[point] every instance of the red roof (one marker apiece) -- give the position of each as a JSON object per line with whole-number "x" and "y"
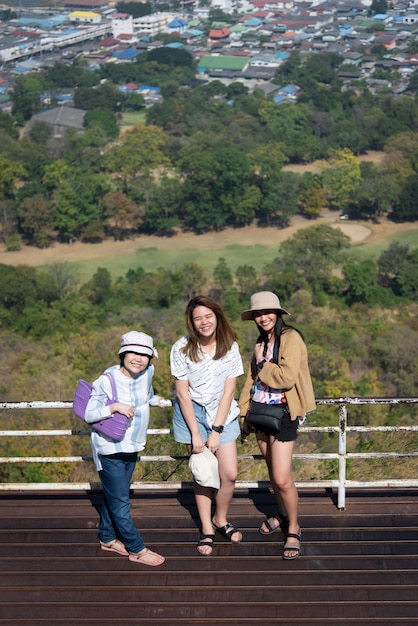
{"x": 109, "y": 41}
{"x": 131, "y": 86}
{"x": 219, "y": 33}
{"x": 25, "y": 33}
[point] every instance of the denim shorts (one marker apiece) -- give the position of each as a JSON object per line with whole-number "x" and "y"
{"x": 182, "y": 432}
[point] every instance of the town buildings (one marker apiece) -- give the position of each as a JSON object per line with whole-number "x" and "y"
{"x": 254, "y": 39}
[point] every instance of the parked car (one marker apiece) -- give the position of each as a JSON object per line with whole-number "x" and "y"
{"x": 344, "y": 216}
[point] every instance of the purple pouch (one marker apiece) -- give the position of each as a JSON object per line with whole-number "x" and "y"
{"x": 114, "y": 426}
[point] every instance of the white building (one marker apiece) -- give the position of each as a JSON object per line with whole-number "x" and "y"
{"x": 153, "y": 24}
{"x": 122, "y": 24}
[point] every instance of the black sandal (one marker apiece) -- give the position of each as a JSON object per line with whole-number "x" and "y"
{"x": 290, "y": 547}
{"x": 283, "y": 524}
{"x": 205, "y": 540}
{"x": 227, "y": 531}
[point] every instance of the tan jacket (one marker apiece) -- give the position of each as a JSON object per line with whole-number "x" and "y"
{"x": 290, "y": 374}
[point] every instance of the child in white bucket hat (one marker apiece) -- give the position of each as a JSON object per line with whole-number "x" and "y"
{"x": 115, "y": 461}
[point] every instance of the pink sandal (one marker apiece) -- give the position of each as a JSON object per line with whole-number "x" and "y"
{"x": 114, "y": 546}
{"x": 147, "y": 557}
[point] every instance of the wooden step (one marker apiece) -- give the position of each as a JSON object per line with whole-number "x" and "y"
{"x": 358, "y": 566}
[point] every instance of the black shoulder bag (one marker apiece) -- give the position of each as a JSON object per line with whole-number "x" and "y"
{"x": 266, "y": 417}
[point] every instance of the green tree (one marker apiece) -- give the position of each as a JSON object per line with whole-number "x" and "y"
{"x": 122, "y": 214}
{"x": 105, "y": 119}
{"x": 162, "y": 201}
{"x": 26, "y": 96}
{"x": 194, "y": 279}
{"x": 406, "y": 209}
{"x": 10, "y": 174}
{"x": 36, "y": 221}
{"x": 106, "y": 97}
{"x": 361, "y": 282}
{"x": 246, "y": 279}
{"x": 311, "y": 255}
{"x": 216, "y": 181}
{"x": 341, "y": 176}
{"x": 8, "y": 125}
{"x": 378, "y": 6}
{"x": 41, "y": 132}
{"x": 222, "y": 274}
{"x": 99, "y": 289}
{"x": 139, "y": 152}
{"x": 406, "y": 276}
{"x": 390, "y": 261}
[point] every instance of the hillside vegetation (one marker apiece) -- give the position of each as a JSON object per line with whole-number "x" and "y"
{"x": 208, "y": 159}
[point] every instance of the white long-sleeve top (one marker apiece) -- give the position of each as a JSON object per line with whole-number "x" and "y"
{"x": 138, "y": 393}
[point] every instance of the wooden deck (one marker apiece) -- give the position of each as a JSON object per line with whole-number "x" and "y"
{"x": 358, "y": 566}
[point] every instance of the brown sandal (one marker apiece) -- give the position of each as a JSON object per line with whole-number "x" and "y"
{"x": 147, "y": 557}
{"x": 114, "y": 546}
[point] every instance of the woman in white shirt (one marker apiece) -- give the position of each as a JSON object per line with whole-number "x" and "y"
{"x": 205, "y": 364}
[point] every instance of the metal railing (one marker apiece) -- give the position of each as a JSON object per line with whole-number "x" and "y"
{"x": 342, "y": 456}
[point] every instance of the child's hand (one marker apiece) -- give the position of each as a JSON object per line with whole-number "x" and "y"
{"x": 163, "y": 402}
{"x": 125, "y": 409}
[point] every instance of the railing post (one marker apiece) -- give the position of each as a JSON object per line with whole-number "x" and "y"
{"x": 342, "y": 455}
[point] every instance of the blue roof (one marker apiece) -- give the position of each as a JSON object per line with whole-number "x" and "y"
{"x": 129, "y": 53}
{"x": 48, "y": 22}
{"x": 149, "y": 88}
{"x": 177, "y": 23}
{"x": 289, "y": 89}
{"x": 253, "y": 21}
{"x": 278, "y": 99}
{"x": 174, "y": 44}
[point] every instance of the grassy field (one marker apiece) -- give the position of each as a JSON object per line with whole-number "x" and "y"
{"x": 130, "y": 119}
{"x": 373, "y": 249}
{"x": 245, "y": 246}
{"x": 152, "y": 258}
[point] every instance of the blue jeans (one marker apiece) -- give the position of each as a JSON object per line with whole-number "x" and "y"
{"x": 115, "y": 517}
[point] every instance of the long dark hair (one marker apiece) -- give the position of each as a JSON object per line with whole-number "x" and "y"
{"x": 264, "y": 338}
{"x": 280, "y": 328}
{"x": 225, "y": 334}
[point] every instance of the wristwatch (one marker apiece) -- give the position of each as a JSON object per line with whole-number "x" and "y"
{"x": 218, "y": 429}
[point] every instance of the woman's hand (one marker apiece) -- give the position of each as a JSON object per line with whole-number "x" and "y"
{"x": 214, "y": 441}
{"x": 259, "y": 351}
{"x": 198, "y": 444}
{"x": 244, "y": 430}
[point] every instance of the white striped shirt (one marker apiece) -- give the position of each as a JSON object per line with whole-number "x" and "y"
{"x": 138, "y": 393}
{"x": 207, "y": 377}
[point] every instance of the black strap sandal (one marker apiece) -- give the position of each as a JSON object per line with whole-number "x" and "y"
{"x": 206, "y": 540}
{"x": 283, "y": 524}
{"x": 227, "y": 531}
{"x": 290, "y": 547}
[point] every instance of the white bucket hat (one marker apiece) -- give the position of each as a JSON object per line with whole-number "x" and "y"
{"x": 140, "y": 343}
{"x": 204, "y": 467}
{"x": 263, "y": 301}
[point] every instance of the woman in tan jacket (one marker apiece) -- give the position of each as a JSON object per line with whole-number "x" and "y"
{"x": 278, "y": 374}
